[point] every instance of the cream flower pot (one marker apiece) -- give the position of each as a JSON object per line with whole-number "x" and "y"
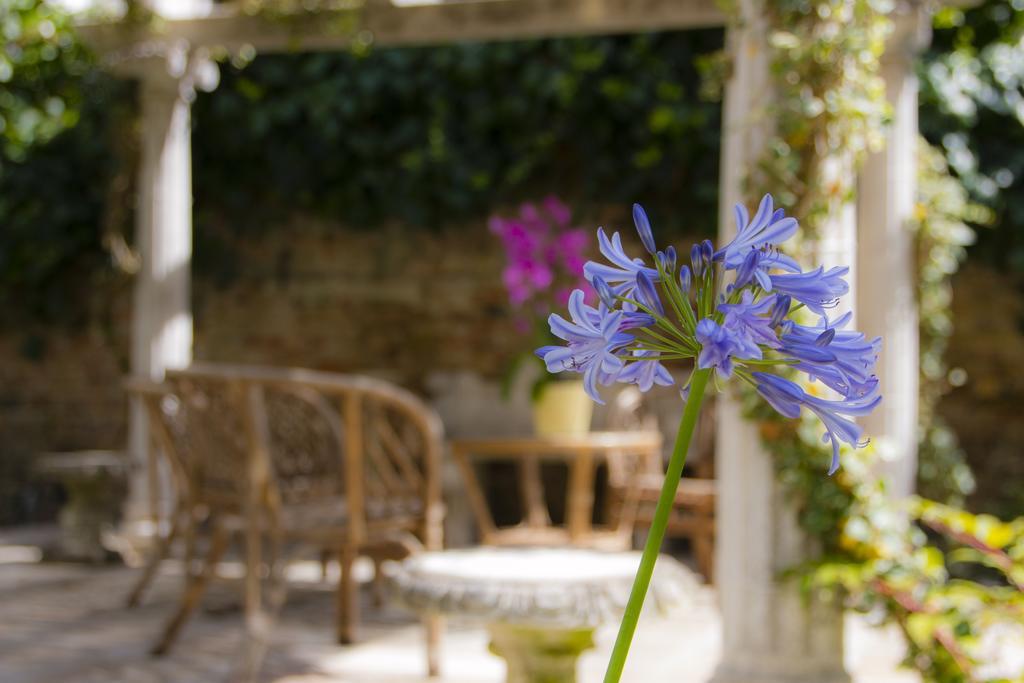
{"x": 562, "y": 409}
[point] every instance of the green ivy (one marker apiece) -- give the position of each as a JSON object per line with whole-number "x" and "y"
{"x": 439, "y": 136}
{"x": 944, "y": 214}
{"x": 829, "y": 99}
{"x": 56, "y": 210}
{"x": 41, "y": 67}
{"x": 944, "y": 582}
{"x": 972, "y": 81}
{"x": 424, "y": 137}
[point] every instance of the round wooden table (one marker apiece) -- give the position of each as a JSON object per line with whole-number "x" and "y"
{"x": 541, "y": 605}
{"x": 628, "y": 454}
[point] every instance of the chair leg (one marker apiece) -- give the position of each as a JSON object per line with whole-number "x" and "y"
{"x": 195, "y": 587}
{"x": 325, "y": 562}
{"x": 433, "y": 626}
{"x": 348, "y": 598}
{"x": 704, "y": 550}
{"x": 156, "y": 557}
{"x": 191, "y": 531}
{"x": 378, "y": 582}
{"x": 259, "y": 620}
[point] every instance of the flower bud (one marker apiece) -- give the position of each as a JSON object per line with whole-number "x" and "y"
{"x": 648, "y": 295}
{"x": 697, "y": 261}
{"x": 643, "y": 228}
{"x": 604, "y": 292}
{"x": 707, "y": 251}
{"x": 781, "y": 309}
{"x": 685, "y": 279}
{"x": 668, "y": 259}
{"x": 746, "y": 270}
{"x": 826, "y": 337}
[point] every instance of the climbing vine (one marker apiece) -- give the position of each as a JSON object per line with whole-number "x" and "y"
{"x": 829, "y": 100}
{"x": 336, "y": 17}
{"x": 943, "y": 215}
{"x": 41, "y": 67}
{"x": 829, "y": 103}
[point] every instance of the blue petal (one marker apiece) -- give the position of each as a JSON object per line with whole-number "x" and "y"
{"x": 776, "y": 233}
{"x": 763, "y": 279}
{"x": 577, "y": 309}
{"x": 590, "y": 383}
{"x": 742, "y": 217}
{"x": 764, "y": 212}
{"x": 565, "y": 330}
{"x": 603, "y": 291}
{"x": 542, "y": 351}
{"x": 558, "y": 359}
{"x": 610, "y": 325}
{"x": 643, "y": 228}
{"x": 834, "y": 465}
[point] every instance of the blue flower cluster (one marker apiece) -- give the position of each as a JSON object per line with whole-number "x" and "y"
{"x": 734, "y": 310}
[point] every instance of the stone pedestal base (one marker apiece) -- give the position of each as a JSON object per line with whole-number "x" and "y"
{"x": 95, "y": 485}
{"x": 540, "y": 655}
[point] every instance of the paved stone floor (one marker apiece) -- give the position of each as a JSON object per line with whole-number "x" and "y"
{"x": 65, "y": 623}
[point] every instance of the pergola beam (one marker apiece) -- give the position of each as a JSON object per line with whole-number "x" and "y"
{"x": 408, "y": 23}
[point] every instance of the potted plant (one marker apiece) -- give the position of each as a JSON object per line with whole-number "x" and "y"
{"x": 544, "y": 255}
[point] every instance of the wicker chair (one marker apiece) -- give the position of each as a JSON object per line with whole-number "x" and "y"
{"x": 290, "y": 458}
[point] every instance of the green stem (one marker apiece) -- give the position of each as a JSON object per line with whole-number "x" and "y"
{"x": 652, "y": 547}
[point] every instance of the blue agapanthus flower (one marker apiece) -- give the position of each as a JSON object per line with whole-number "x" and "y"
{"x": 746, "y": 311}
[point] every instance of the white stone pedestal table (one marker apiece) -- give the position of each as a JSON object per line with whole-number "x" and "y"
{"x": 541, "y": 605}
{"x": 95, "y": 482}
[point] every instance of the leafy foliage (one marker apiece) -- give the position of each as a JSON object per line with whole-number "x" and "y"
{"x": 54, "y": 163}
{"x": 415, "y": 135}
{"x": 41, "y": 67}
{"x": 829, "y": 99}
{"x": 955, "y": 591}
{"x": 442, "y": 135}
{"x": 869, "y": 548}
{"x": 944, "y": 214}
{"x": 972, "y": 99}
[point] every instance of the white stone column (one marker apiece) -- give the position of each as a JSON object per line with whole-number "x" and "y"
{"x": 162, "y": 309}
{"x": 887, "y": 286}
{"x": 837, "y": 243}
{"x": 770, "y": 634}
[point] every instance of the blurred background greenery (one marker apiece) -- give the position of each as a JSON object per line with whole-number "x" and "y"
{"x": 435, "y": 140}
{"x": 441, "y": 136}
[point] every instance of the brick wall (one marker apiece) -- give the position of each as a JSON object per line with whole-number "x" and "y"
{"x": 69, "y": 399}
{"x": 397, "y": 302}
{"x": 426, "y": 310}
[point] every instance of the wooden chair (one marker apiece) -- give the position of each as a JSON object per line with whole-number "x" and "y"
{"x": 197, "y": 498}
{"x": 292, "y": 457}
{"x": 693, "y": 512}
{"x": 581, "y": 454}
